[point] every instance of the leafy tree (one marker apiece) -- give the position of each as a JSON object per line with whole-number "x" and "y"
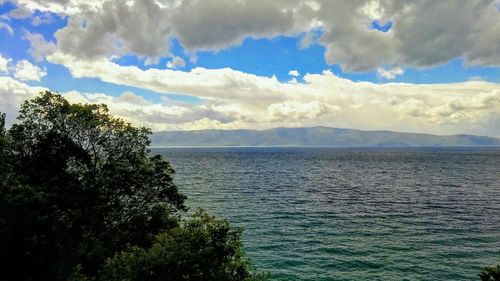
{"x": 203, "y": 248}
{"x": 79, "y": 189}
{"x": 490, "y": 273}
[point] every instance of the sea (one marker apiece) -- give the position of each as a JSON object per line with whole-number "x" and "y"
{"x": 352, "y": 213}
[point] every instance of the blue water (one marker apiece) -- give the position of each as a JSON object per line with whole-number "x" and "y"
{"x": 353, "y": 214}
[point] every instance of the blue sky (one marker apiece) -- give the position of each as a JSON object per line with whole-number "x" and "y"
{"x": 266, "y": 57}
{"x": 368, "y": 47}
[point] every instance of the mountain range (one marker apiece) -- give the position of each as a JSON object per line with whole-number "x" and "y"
{"x": 314, "y": 136}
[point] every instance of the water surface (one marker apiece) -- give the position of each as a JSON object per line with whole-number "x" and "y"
{"x": 353, "y": 213}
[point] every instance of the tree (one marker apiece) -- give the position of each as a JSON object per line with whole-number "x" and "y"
{"x": 203, "y": 248}
{"x": 78, "y": 188}
{"x": 490, "y": 273}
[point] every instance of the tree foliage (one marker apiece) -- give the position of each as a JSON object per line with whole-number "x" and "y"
{"x": 203, "y": 248}
{"x": 82, "y": 198}
{"x": 490, "y": 273}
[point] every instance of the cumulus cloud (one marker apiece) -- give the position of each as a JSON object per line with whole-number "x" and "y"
{"x": 20, "y": 12}
{"x": 39, "y": 47}
{"x": 293, "y": 73}
{"x": 12, "y": 94}
{"x": 243, "y": 100}
{"x": 176, "y": 62}
{"x": 129, "y": 106}
{"x": 129, "y": 97}
{"x": 390, "y": 73}
{"x": 202, "y": 82}
{"x": 293, "y": 111}
{"x": 158, "y": 116}
{"x": 212, "y": 24}
{"x": 423, "y": 33}
{"x": 116, "y": 28}
{"x": 26, "y": 71}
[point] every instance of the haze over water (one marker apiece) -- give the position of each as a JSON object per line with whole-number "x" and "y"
{"x": 351, "y": 213}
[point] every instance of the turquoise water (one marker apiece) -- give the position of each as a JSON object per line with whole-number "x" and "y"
{"x": 353, "y": 214}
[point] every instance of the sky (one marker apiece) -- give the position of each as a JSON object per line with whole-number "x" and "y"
{"x": 414, "y": 66}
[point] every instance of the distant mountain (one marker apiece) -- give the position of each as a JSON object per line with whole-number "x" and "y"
{"x": 315, "y": 136}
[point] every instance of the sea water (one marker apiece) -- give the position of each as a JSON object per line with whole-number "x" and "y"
{"x": 352, "y": 213}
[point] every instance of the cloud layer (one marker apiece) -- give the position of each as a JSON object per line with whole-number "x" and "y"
{"x": 233, "y": 99}
{"x": 422, "y": 33}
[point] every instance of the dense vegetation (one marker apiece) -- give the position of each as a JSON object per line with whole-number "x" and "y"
{"x": 490, "y": 273}
{"x": 81, "y": 198}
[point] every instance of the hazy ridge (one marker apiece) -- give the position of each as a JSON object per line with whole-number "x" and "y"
{"x": 314, "y": 136}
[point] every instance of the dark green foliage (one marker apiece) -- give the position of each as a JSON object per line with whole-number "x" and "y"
{"x": 490, "y": 273}
{"x": 203, "y": 248}
{"x": 78, "y": 187}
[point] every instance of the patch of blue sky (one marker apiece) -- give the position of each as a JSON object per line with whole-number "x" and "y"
{"x": 268, "y": 57}
{"x": 49, "y": 28}
{"x": 6, "y": 7}
{"x": 134, "y": 60}
{"x": 16, "y": 46}
{"x": 13, "y": 46}
{"x": 383, "y": 28}
{"x": 452, "y": 72}
{"x": 262, "y": 57}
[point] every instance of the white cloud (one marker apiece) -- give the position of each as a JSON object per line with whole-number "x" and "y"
{"x": 64, "y": 7}
{"x": 293, "y": 111}
{"x": 7, "y": 27}
{"x": 307, "y": 40}
{"x": 117, "y": 28}
{"x": 212, "y": 24}
{"x": 199, "y": 81}
{"x": 234, "y": 99}
{"x": 26, "y": 71}
{"x": 20, "y": 12}
{"x": 373, "y": 10}
{"x": 390, "y": 73}
{"x": 476, "y": 78}
{"x": 176, "y": 62}
{"x": 12, "y": 94}
{"x": 44, "y": 18}
{"x": 468, "y": 29}
{"x": 293, "y": 73}
{"x": 39, "y": 47}
{"x": 129, "y": 97}
{"x": 129, "y": 106}
{"x": 4, "y": 64}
